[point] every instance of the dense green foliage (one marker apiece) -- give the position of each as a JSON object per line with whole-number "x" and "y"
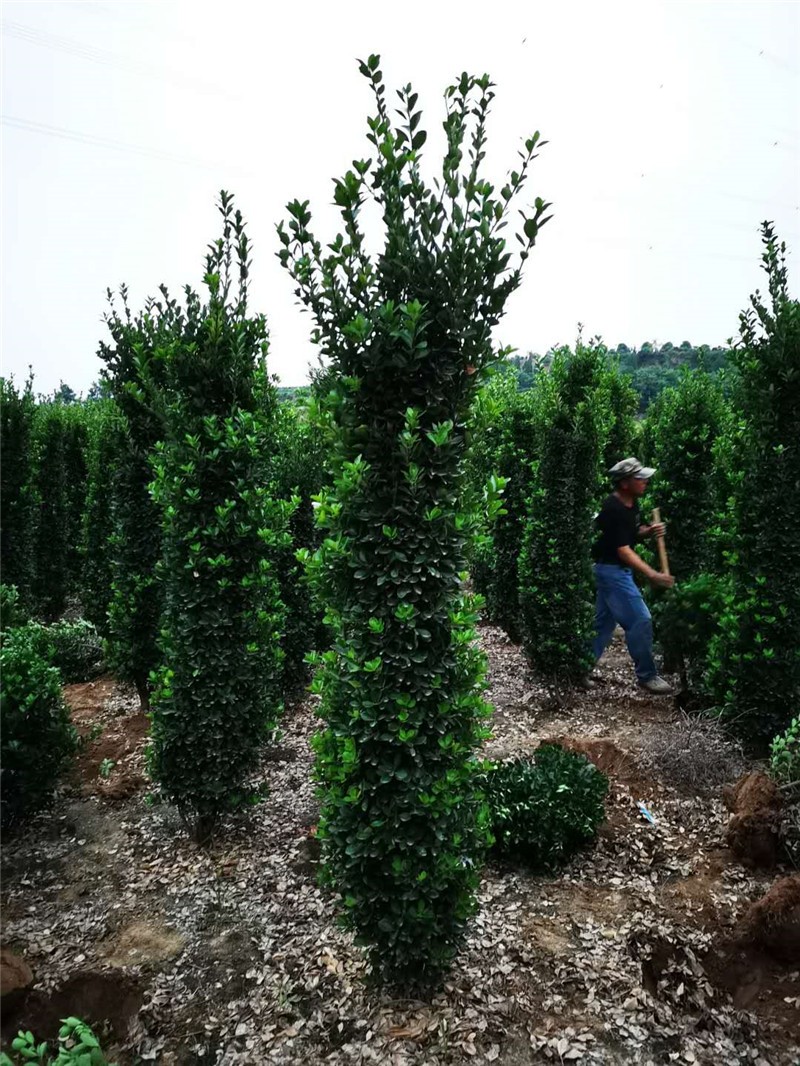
{"x": 545, "y": 808}
{"x": 554, "y": 567}
{"x": 785, "y": 755}
{"x": 298, "y": 474}
{"x": 78, "y": 1046}
{"x": 74, "y": 648}
{"x": 504, "y": 438}
{"x": 518, "y": 436}
{"x": 755, "y": 661}
{"x": 76, "y": 474}
{"x": 12, "y": 610}
{"x": 683, "y": 436}
{"x": 217, "y": 693}
{"x": 407, "y": 335}
{"x": 133, "y": 375}
{"x": 43, "y": 489}
{"x": 17, "y": 500}
{"x": 103, "y": 456}
{"x": 53, "y": 520}
{"x": 688, "y": 621}
{"x": 623, "y": 430}
{"x": 37, "y": 737}
{"x": 680, "y": 438}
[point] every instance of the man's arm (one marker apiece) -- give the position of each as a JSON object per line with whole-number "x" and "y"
{"x": 628, "y": 557}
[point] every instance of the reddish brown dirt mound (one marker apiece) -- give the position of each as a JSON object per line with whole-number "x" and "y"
{"x": 15, "y": 973}
{"x": 752, "y": 793}
{"x": 603, "y": 752}
{"x": 120, "y": 743}
{"x": 772, "y": 924}
{"x": 94, "y": 998}
{"x": 118, "y": 748}
{"x": 753, "y": 830}
{"x": 86, "y": 699}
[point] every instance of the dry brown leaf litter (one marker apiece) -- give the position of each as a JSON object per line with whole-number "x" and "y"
{"x": 239, "y": 958}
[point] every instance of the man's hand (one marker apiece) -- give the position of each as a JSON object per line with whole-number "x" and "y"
{"x": 662, "y": 581}
{"x": 657, "y": 529}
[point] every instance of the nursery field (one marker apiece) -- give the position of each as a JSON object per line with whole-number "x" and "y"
{"x": 635, "y": 952}
{"x": 305, "y": 753}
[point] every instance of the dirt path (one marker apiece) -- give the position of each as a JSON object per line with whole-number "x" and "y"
{"x": 233, "y": 955}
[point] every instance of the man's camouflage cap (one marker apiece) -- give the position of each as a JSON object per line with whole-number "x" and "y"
{"x": 630, "y": 468}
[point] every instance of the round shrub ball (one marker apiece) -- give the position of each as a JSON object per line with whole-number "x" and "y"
{"x": 546, "y": 808}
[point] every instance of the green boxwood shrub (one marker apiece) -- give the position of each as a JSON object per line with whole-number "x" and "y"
{"x": 76, "y": 441}
{"x": 554, "y": 568}
{"x": 104, "y": 452}
{"x": 504, "y": 440}
{"x": 74, "y": 648}
{"x": 688, "y": 622}
{"x": 545, "y": 808}
{"x": 681, "y": 431}
{"x": 12, "y": 611}
{"x": 623, "y": 430}
{"x": 407, "y": 337}
{"x": 37, "y": 736}
{"x": 785, "y": 756}
{"x": 755, "y": 660}
{"x": 298, "y": 474}
{"x": 52, "y": 543}
{"x": 133, "y": 374}
{"x": 17, "y": 488}
{"x": 217, "y": 693}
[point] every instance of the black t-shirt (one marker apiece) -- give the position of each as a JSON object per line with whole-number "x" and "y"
{"x": 617, "y": 526}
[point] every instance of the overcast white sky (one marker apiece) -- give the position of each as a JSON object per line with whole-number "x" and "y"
{"x": 673, "y": 129}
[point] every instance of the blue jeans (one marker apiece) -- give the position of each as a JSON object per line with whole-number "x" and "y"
{"x": 619, "y": 602}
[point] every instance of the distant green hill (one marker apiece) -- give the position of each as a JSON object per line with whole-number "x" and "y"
{"x": 652, "y": 368}
{"x": 292, "y": 392}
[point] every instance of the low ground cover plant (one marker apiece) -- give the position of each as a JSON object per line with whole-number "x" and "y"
{"x": 77, "y": 1046}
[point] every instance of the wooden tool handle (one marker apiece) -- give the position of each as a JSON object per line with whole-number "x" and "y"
{"x": 662, "y": 547}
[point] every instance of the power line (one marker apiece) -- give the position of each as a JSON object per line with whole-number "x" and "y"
{"x": 78, "y": 49}
{"x": 60, "y": 132}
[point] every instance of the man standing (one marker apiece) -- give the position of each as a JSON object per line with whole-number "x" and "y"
{"x": 619, "y": 601}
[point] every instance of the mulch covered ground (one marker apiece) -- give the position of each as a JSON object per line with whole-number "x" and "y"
{"x": 233, "y": 954}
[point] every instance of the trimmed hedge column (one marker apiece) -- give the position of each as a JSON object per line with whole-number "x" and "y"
{"x": 217, "y": 696}
{"x": 407, "y": 333}
{"x": 755, "y": 662}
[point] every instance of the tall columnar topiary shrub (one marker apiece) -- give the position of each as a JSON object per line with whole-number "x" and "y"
{"x": 217, "y": 695}
{"x": 17, "y": 489}
{"x": 681, "y": 431}
{"x": 52, "y": 545}
{"x": 104, "y": 452}
{"x": 756, "y": 659}
{"x": 505, "y": 438}
{"x": 134, "y": 373}
{"x": 407, "y": 333}
{"x": 554, "y": 569}
{"x": 298, "y": 474}
{"x": 76, "y": 442}
{"x": 622, "y": 400}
